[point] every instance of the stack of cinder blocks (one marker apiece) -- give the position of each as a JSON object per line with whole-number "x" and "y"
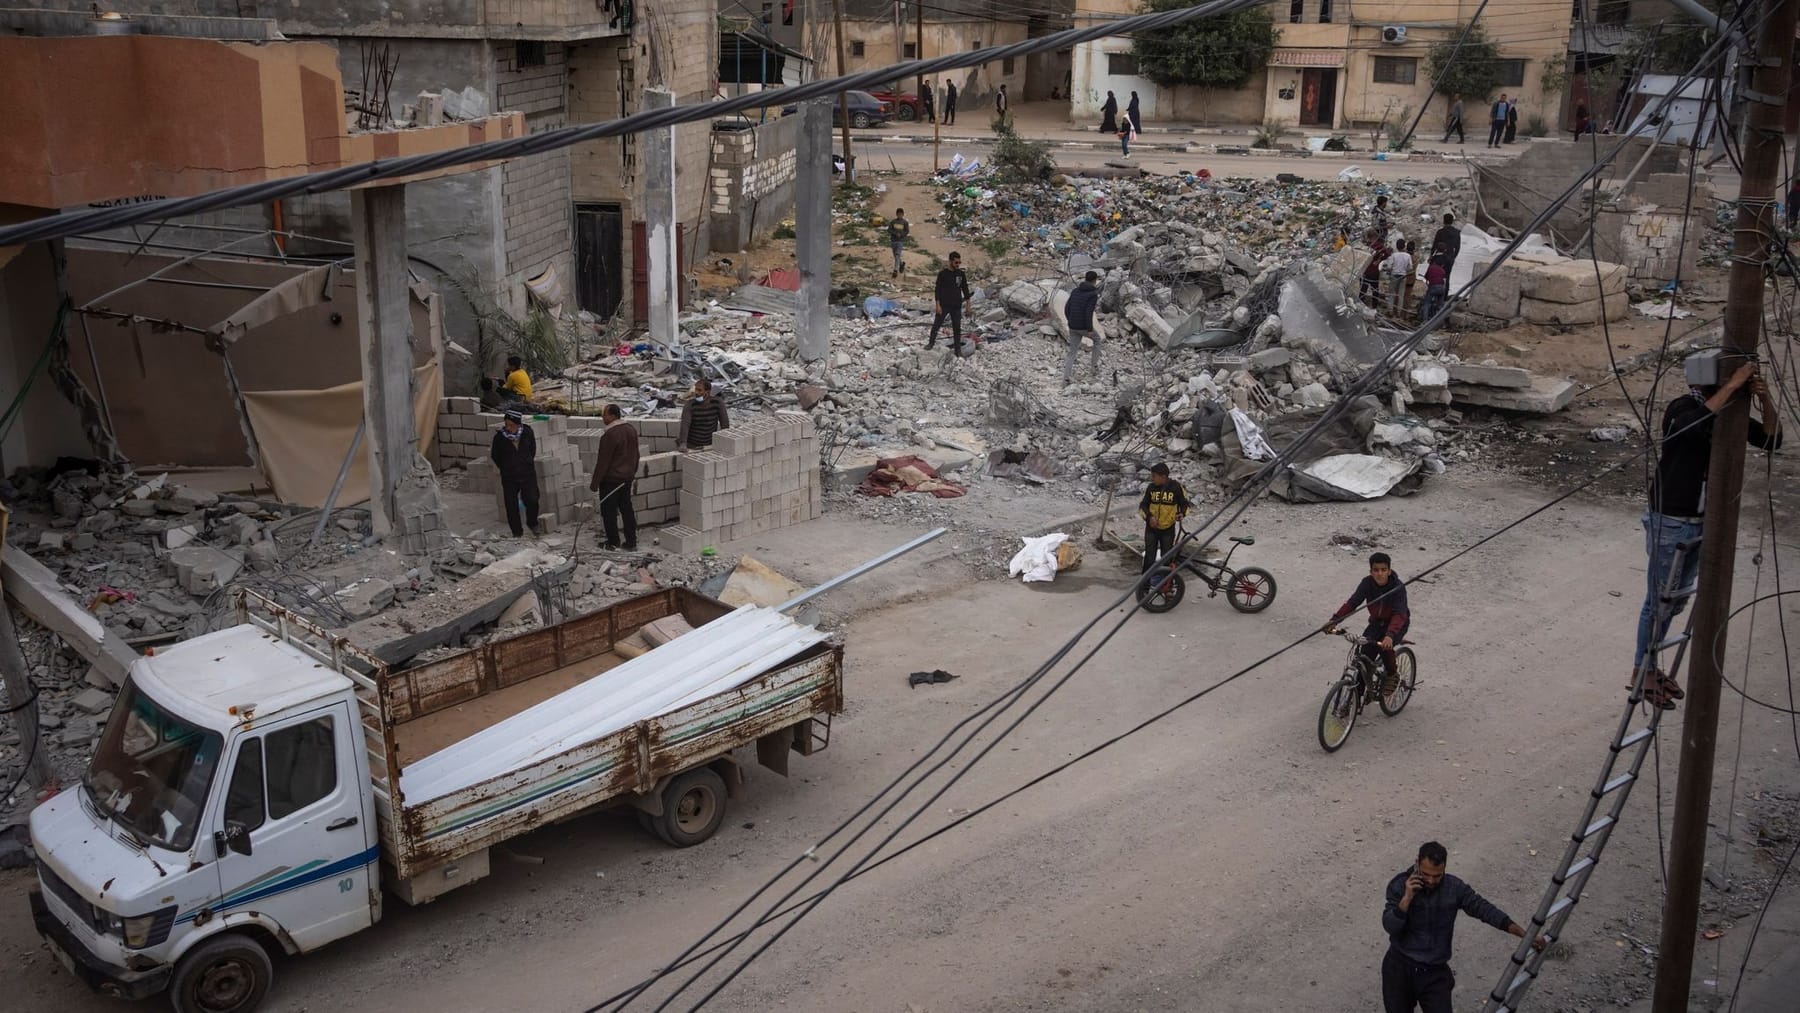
{"x": 464, "y": 431}
{"x": 759, "y": 475}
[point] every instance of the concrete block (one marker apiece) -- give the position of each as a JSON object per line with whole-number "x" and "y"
{"x": 1615, "y": 306}
{"x": 1499, "y": 295}
{"x": 732, "y": 442}
{"x": 92, "y": 701}
{"x": 1572, "y": 281}
{"x": 201, "y": 569}
{"x": 1270, "y": 358}
{"x": 1490, "y": 376}
{"x": 1545, "y": 395}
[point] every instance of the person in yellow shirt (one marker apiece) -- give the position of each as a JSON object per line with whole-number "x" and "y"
{"x": 1164, "y": 504}
{"x": 518, "y": 382}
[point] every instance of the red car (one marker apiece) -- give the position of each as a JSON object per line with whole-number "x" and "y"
{"x": 906, "y": 108}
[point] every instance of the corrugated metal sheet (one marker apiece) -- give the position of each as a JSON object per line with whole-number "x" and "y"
{"x": 717, "y": 657}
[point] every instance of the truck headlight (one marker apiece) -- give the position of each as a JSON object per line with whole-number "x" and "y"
{"x": 139, "y": 931}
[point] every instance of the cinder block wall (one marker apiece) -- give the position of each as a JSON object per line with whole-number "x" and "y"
{"x": 752, "y": 184}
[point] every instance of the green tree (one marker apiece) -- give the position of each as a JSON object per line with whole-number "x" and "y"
{"x": 1469, "y": 71}
{"x": 1222, "y": 51}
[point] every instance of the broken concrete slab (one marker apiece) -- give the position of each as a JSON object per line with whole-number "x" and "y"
{"x": 365, "y": 597}
{"x": 1573, "y": 281}
{"x": 202, "y": 569}
{"x": 1615, "y": 305}
{"x": 1269, "y": 358}
{"x": 1490, "y": 376}
{"x": 1499, "y": 295}
{"x": 37, "y": 591}
{"x": 176, "y": 537}
{"x": 1545, "y": 395}
{"x": 138, "y": 508}
{"x": 446, "y": 617}
{"x": 92, "y": 701}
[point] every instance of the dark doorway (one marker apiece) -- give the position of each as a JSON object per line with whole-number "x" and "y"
{"x": 1318, "y": 96}
{"x": 599, "y": 249}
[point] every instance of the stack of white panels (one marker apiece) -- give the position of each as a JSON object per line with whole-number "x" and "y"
{"x": 723, "y": 654}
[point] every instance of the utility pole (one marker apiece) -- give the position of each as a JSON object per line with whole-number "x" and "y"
{"x": 837, "y": 11}
{"x": 1763, "y": 135}
{"x": 899, "y": 45}
{"x": 919, "y": 51}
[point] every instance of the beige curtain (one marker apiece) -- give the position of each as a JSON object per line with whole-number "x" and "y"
{"x": 303, "y": 435}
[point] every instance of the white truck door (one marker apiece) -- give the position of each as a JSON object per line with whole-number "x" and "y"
{"x": 294, "y": 799}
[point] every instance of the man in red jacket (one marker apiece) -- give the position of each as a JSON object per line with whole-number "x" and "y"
{"x": 614, "y": 471}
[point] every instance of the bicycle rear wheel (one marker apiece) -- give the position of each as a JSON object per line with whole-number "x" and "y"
{"x": 1162, "y": 591}
{"x": 1406, "y": 671}
{"x": 1337, "y": 715}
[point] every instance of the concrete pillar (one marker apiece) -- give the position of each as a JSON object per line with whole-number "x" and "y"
{"x": 378, "y": 227}
{"x": 812, "y": 229}
{"x": 661, "y": 228}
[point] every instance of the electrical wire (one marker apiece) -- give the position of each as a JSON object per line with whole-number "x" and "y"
{"x": 1246, "y": 493}
{"x": 101, "y": 219}
{"x": 688, "y": 958}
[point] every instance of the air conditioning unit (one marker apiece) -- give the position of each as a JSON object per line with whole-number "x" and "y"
{"x": 1393, "y": 34}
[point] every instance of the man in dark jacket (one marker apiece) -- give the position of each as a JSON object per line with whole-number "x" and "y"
{"x": 1678, "y": 505}
{"x": 1497, "y": 121}
{"x": 950, "y": 103}
{"x": 701, "y": 417}
{"x": 926, "y": 100}
{"x": 615, "y": 468}
{"x": 951, "y": 292}
{"x": 1385, "y": 594}
{"x": 1078, "y": 312}
{"x": 1420, "y": 920}
{"x": 1449, "y": 239}
{"x": 515, "y": 453}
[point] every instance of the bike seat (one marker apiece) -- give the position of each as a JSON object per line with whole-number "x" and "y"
{"x": 1244, "y": 539}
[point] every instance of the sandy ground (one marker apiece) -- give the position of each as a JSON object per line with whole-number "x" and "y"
{"x": 1218, "y": 860}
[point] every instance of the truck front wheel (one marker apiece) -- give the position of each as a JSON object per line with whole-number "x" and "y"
{"x": 226, "y": 974}
{"x": 693, "y": 808}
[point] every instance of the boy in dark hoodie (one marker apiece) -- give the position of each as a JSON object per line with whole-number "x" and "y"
{"x": 1385, "y": 594}
{"x": 1164, "y": 504}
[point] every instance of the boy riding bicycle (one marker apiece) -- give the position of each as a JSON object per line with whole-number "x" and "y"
{"x": 1385, "y": 594}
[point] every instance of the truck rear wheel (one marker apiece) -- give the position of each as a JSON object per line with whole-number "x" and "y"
{"x": 229, "y": 973}
{"x": 693, "y": 808}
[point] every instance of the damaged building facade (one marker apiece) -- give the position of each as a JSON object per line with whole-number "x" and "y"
{"x": 1338, "y": 66}
{"x": 875, "y": 37}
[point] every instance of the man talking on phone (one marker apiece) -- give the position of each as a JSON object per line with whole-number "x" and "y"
{"x": 1420, "y": 917}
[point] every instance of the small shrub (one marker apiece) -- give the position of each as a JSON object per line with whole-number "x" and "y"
{"x": 1268, "y": 135}
{"x": 1017, "y": 160}
{"x": 1536, "y": 127}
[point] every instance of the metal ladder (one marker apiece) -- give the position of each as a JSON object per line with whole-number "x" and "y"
{"x": 1612, "y": 786}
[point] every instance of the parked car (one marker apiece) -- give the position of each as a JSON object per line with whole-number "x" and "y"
{"x": 865, "y": 111}
{"x": 907, "y": 108}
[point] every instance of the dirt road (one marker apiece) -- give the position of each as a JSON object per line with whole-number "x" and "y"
{"x": 1219, "y": 860}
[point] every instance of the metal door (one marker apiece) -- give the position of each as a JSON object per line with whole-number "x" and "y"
{"x": 599, "y": 251}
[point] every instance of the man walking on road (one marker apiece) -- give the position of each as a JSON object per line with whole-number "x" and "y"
{"x": 1497, "y": 121}
{"x": 925, "y": 100}
{"x": 1420, "y": 917}
{"x": 1000, "y": 108}
{"x": 614, "y": 471}
{"x": 898, "y": 229}
{"x": 950, "y": 103}
{"x": 1078, "y": 312}
{"x": 1455, "y": 126}
{"x": 951, "y": 292}
{"x": 515, "y": 452}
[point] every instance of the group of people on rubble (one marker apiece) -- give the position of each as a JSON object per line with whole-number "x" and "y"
{"x": 1391, "y": 273}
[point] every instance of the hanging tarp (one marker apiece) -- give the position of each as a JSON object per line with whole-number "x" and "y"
{"x": 303, "y": 435}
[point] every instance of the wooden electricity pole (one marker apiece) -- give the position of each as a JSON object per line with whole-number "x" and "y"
{"x": 1763, "y": 135}
{"x": 837, "y": 11}
{"x": 919, "y": 51}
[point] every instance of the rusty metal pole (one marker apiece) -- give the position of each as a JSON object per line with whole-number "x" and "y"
{"x": 1763, "y": 135}
{"x": 837, "y": 10}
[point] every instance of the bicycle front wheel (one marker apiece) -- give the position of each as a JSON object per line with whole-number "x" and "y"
{"x": 1337, "y": 715}
{"x": 1251, "y": 589}
{"x": 1162, "y": 591}
{"x": 1406, "y": 669}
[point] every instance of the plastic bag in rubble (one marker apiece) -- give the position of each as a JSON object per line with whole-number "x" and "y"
{"x": 1348, "y": 173}
{"x": 1250, "y": 437}
{"x": 956, "y": 163}
{"x": 1037, "y": 560}
{"x": 875, "y": 307}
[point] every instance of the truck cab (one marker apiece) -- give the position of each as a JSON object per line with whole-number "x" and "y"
{"x": 226, "y": 814}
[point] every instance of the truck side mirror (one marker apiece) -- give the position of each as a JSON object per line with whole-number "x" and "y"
{"x": 235, "y": 837}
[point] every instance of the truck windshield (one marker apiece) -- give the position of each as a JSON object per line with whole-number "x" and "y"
{"x": 152, "y": 770}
